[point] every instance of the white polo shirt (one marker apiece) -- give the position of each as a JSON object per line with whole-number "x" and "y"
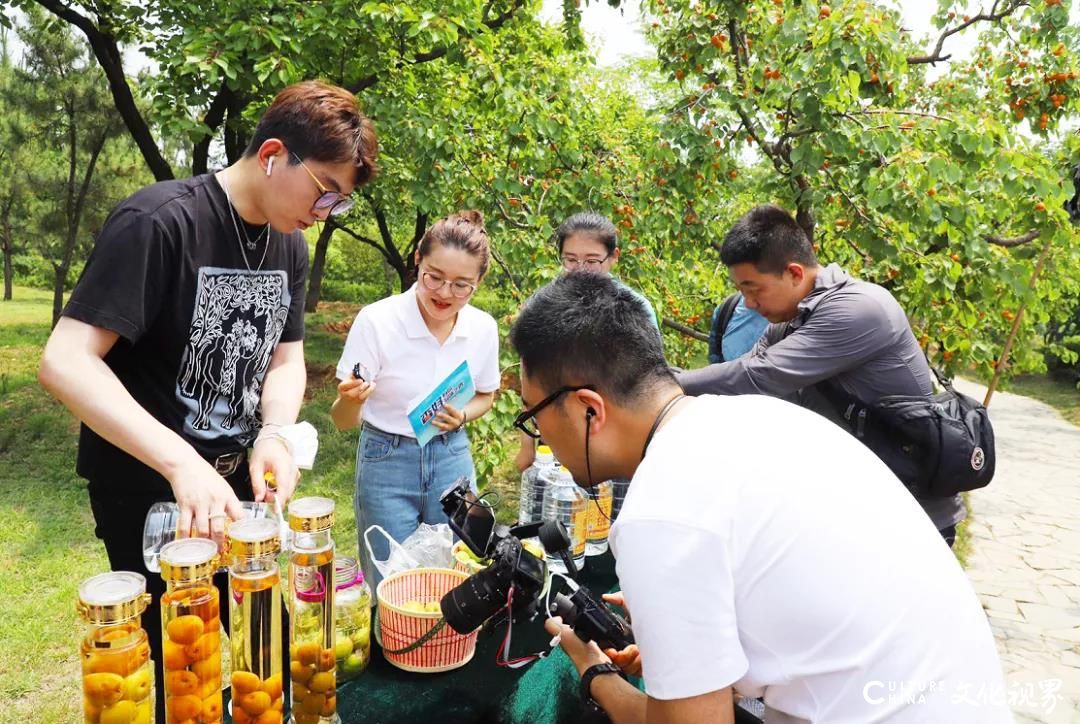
{"x": 762, "y": 547}
{"x": 391, "y": 339}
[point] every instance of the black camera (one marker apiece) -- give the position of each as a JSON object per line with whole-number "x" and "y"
{"x": 512, "y": 584}
{"x": 592, "y": 620}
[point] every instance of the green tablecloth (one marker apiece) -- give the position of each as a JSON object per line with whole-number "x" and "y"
{"x": 544, "y": 692}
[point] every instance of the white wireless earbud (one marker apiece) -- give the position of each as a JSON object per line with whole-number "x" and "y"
{"x": 269, "y": 165}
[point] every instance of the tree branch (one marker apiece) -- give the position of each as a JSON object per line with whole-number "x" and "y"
{"x": 435, "y": 53}
{"x": 936, "y": 56}
{"x": 361, "y": 238}
{"x": 111, "y": 62}
{"x": 1014, "y": 241}
{"x": 688, "y": 331}
{"x": 215, "y": 114}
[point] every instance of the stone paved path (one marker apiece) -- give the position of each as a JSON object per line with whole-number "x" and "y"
{"x": 1025, "y": 559}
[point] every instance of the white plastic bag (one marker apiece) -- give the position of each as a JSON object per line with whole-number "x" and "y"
{"x": 428, "y": 547}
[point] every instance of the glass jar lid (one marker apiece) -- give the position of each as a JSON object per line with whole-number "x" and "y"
{"x": 114, "y": 597}
{"x": 312, "y": 514}
{"x": 189, "y": 559}
{"x": 254, "y": 537}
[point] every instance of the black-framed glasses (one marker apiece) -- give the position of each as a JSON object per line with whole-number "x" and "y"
{"x": 335, "y": 201}
{"x": 526, "y": 421}
{"x": 434, "y": 282}
{"x": 571, "y": 263}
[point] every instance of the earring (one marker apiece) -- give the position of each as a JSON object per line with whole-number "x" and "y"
{"x": 269, "y": 165}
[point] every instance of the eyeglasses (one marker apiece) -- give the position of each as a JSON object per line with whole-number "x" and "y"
{"x": 571, "y": 263}
{"x": 526, "y": 421}
{"x": 434, "y": 282}
{"x": 335, "y": 201}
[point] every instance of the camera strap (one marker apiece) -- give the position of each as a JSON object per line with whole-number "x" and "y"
{"x": 432, "y": 633}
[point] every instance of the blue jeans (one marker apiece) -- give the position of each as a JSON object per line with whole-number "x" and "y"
{"x": 398, "y": 485}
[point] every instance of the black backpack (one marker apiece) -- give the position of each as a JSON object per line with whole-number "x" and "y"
{"x": 938, "y": 445}
{"x": 723, "y": 318}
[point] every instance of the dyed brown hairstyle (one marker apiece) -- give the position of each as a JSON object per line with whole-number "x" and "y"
{"x": 321, "y": 122}
{"x": 463, "y": 230}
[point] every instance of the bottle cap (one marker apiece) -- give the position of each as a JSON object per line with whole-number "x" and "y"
{"x": 111, "y": 598}
{"x": 310, "y": 515}
{"x": 189, "y": 559}
{"x": 253, "y": 538}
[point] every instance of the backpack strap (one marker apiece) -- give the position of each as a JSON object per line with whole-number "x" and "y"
{"x": 723, "y": 319}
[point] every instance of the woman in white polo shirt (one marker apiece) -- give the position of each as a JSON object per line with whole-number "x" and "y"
{"x": 405, "y": 345}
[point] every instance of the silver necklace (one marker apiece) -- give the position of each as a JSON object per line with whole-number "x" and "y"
{"x": 241, "y": 237}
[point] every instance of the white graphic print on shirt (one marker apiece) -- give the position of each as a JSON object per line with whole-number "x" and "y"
{"x": 237, "y": 320}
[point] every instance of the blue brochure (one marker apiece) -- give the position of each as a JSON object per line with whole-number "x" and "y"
{"x": 457, "y": 389}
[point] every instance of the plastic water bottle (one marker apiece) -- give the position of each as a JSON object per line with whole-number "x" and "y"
{"x": 618, "y": 495}
{"x": 531, "y": 499}
{"x": 565, "y": 502}
{"x": 598, "y": 519}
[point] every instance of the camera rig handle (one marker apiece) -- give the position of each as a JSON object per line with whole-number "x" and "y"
{"x": 553, "y": 537}
{"x": 592, "y": 620}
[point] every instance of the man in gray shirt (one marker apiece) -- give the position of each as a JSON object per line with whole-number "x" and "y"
{"x": 826, "y": 330}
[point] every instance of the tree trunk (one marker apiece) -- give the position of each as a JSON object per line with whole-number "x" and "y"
{"x": 8, "y": 243}
{"x": 9, "y": 273}
{"x": 318, "y": 266}
{"x": 59, "y": 282}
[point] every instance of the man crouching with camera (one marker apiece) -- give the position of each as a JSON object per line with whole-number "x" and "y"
{"x": 801, "y": 570}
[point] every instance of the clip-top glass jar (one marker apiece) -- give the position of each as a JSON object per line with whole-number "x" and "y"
{"x": 191, "y": 632}
{"x": 255, "y": 621}
{"x": 116, "y": 673}
{"x": 311, "y": 621}
{"x": 352, "y": 619}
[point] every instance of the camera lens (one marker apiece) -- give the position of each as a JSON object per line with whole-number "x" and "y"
{"x": 477, "y": 599}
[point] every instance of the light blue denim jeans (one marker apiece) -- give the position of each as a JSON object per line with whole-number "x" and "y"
{"x": 398, "y": 485}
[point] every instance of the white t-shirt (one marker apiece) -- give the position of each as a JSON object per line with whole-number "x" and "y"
{"x": 762, "y": 547}
{"x": 390, "y": 339}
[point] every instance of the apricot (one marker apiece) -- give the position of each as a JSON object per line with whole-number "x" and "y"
{"x": 304, "y": 718}
{"x": 299, "y": 691}
{"x": 269, "y": 717}
{"x": 312, "y": 703}
{"x": 308, "y": 654}
{"x": 183, "y": 707}
{"x": 245, "y": 682}
{"x": 137, "y": 686}
{"x": 205, "y": 646}
{"x": 105, "y": 663}
{"x": 209, "y": 669}
{"x": 185, "y": 630}
{"x": 91, "y": 711}
{"x": 254, "y": 703}
{"x": 239, "y": 716}
{"x": 122, "y": 712}
{"x": 327, "y": 660}
{"x": 321, "y": 682}
{"x": 301, "y": 672}
{"x": 173, "y": 656}
{"x": 181, "y": 683}
{"x": 104, "y": 688}
{"x": 211, "y": 707}
{"x": 329, "y": 707}
{"x": 142, "y": 716}
{"x": 272, "y": 686}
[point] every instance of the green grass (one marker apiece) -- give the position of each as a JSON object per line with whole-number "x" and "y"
{"x": 1059, "y": 393}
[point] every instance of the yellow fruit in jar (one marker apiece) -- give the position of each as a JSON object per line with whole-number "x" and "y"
{"x": 330, "y": 707}
{"x": 104, "y": 688}
{"x": 91, "y": 711}
{"x": 313, "y": 703}
{"x": 327, "y": 660}
{"x": 137, "y": 686}
{"x": 308, "y": 654}
{"x": 254, "y": 703}
{"x": 299, "y": 691}
{"x": 321, "y": 682}
{"x": 122, "y": 712}
{"x": 183, "y": 707}
{"x": 272, "y": 686}
{"x": 209, "y": 669}
{"x": 173, "y": 656}
{"x": 245, "y": 682}
{"x": 304, "y": 718}
{"x": 301, "y": 672}
{"x": 205, "y": 646}
{"x": 211, "y": 707}
{"x": 142, "y": 716}
{"x": 269, "y": 717}
{"x": 239, "y": 716}
{"x": 105, "y": 663}
{"x": 185, "y": 630}
{"x": 181, "y": 683}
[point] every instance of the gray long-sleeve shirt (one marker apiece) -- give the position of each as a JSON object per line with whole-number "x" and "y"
{"x": 848, "y": 331}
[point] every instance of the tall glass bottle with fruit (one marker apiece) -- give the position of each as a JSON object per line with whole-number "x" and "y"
{"x": 116, "y": 674}
{"x": 191, "y": 626}
{"x": 352, "y": 618}
{"x": 255, "y": 621}
{"x": 311, "y": 623}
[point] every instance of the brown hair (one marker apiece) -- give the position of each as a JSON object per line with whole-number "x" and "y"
{"x": 322, "y": 122}
{"x": 462, "y": 230}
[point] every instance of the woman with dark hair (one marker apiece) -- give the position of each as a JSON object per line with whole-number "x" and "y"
{"x": 403, "y": 346}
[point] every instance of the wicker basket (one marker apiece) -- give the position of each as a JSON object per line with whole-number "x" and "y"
{"x": 401, "y": 629}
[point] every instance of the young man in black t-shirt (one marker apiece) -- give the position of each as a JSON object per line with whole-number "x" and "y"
{"x": 181, "y": 347}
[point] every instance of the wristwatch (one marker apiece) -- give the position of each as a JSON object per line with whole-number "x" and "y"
{"x": 586, "y": 684}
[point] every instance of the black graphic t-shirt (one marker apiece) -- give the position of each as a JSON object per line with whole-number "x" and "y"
{"x": 197, "y": 321}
